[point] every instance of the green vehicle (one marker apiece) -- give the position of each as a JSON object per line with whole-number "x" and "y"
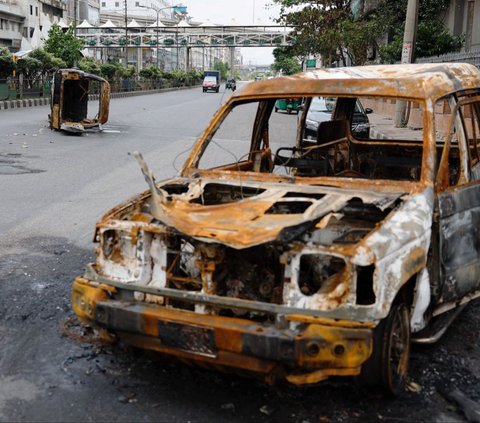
{"x": 288, "y": 104}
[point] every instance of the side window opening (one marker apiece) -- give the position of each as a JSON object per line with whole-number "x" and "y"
{"x": 471, "y": 115}
{"x": 458, "y": 140}
{"x": 357, "y": 137}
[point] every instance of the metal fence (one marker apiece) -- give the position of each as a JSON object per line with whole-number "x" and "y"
{"x": 17, "y": 88}
{"x": 472, "y": 57}
{"x": 14, "y": 88}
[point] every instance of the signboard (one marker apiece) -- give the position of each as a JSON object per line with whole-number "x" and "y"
{"x": 180, "y": 9}
{"x": 311, "y": 63}
{"x": 407, "y": 53}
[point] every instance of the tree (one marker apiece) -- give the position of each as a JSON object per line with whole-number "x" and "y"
{"x": 317, "y": 26}
{"x": 329, "y": 28}
{"x": 89, "y": 65}
{"x": 64, "y": 45}
{"x": 7, "y": 64}
{"x": 151, "y": 72}
{"x": 30, "y": 67}
{"x": 49, "y": 63}
{"x": 285, "y": 61}
{"x": 223, "y": 68}
{"x": 433, "y": 38}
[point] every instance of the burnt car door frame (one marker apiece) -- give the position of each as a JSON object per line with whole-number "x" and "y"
{"x": 458, "y": 211}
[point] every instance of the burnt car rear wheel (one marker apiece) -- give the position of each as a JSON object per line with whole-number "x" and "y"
{"x": 387, "y": 367}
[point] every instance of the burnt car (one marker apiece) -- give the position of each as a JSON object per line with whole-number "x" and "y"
{"x": 70, "y": 112}
{"x": 321, "y": 110}
{"x": 294, "y": 258}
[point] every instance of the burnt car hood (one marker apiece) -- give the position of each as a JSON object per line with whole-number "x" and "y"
{"x": 245, "y": 215}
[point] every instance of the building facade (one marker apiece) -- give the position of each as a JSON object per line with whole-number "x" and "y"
{"x": 24, "y": 24}
{"x": 463, "y": 18}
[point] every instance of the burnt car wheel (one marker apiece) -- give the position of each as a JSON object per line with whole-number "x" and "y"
{"x": 388, "y": 365}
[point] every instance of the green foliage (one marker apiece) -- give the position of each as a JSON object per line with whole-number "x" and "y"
{"x": 7, "y": 65}
{"x": 392, "y": 52}
{"x": 108, "y": 70}
{"x": 317, "y": 26}
{"x": 179, "y": 75}
{"x": 194, "y": 75}
{"x": 285, "y": 61}
{"x": 151, "y": 72}
{"x": 433, "y": 39}
{"x": 327, "y": 27}
{"x": 357, "y": 37}
{"x": 64, "y": 45}
{"x": 29, "y": 66}
{"x": 90, "y": 65}
{"x": 49, "y": 63}
{"x": 125, "y": 72}
{"x": 223, "y": 68}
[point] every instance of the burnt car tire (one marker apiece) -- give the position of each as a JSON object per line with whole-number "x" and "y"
{"x": 387, "y": 367}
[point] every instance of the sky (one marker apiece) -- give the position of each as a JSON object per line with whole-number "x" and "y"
{"x": 245, "y": 12}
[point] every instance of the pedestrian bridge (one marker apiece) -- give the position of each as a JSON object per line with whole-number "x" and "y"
{"x": 160, "y": 35}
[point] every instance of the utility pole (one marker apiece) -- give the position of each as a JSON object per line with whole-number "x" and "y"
{"x": 75, "y": 3}
{"x": 126, "y": 32}
{"x": 409, "y": 38}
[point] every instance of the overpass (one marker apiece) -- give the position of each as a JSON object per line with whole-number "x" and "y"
{"x": 181, "y": 36}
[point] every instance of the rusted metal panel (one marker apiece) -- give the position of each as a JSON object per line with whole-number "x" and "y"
{"x": 460, "y": 240}
{"x": 429, "y": 80}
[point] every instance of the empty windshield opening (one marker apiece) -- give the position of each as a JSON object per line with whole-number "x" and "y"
{"x": 345, "y": 137}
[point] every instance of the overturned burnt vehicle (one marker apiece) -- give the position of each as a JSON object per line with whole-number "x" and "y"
{"x": 69, "y": 103}
{"x": 303, "y": 258}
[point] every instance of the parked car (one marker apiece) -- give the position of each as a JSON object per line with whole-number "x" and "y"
{"x": 291, "y": 258}
{"x": 321, "y": 109}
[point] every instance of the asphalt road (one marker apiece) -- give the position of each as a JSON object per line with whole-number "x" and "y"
{"x": 53, "y": 188}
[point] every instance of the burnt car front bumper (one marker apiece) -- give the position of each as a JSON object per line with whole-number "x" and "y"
{"x": 308, "y": 351}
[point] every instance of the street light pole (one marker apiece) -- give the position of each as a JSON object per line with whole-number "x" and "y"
{"x": 75, "y": 5}
{"x": 157, "y": 10}
{"x": 126, "y": 35}
{"x": 156, "y": 22}
{"x": 176, "y": 42}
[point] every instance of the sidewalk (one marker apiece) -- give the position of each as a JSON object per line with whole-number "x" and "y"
{"x": 383, "y": 128}
{"x": 44, "y": 101}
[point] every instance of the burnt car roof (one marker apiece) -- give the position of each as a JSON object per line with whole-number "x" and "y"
{"x": 417, "y": 81}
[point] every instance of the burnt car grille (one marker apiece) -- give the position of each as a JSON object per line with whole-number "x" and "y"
{"x": 251, "y": 274}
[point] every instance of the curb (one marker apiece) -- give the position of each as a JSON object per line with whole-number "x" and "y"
{"x": 377, "y": 135}
{"x": 28, "y": 102}
{"x": 45, "y": 101}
